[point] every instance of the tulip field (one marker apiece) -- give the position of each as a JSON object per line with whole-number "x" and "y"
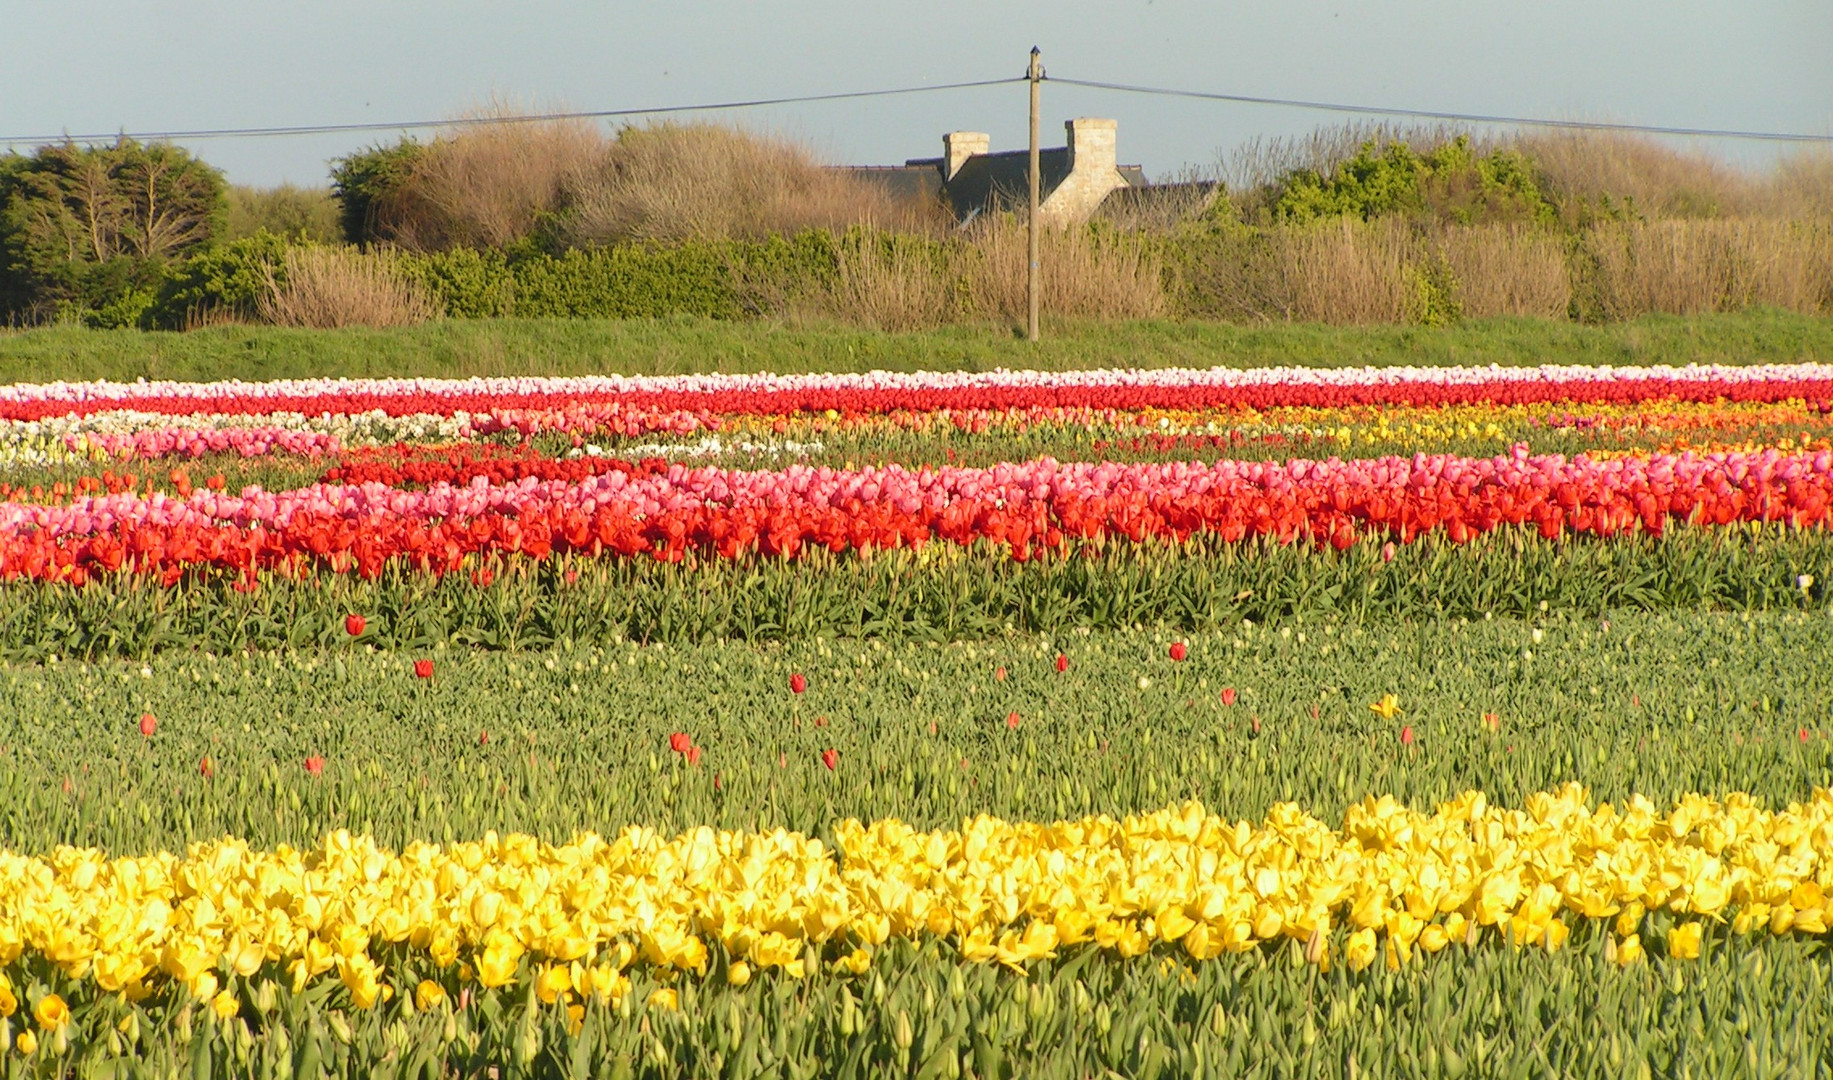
{"x": 1396, "y": 721}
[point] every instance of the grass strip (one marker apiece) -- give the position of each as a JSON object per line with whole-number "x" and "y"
{"x": 461, "y": 348}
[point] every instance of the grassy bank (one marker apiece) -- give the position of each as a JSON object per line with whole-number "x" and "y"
{"x": 464, "y": 347}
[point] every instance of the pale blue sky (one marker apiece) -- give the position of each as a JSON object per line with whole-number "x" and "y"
{"x": 86, "y": 65}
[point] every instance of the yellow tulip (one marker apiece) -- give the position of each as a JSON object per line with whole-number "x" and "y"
{"x": 1629, "y": 950}
{"x": 9, "y": 1004}
{"x": 1683, "y": 941}
{"x": 1387, "y": 708}
{"x": 225, "y": 1005}
{"x": 429, "y": 995}
{"x": 26, "y": 1043}
{"x": 739, "y": 973}
{"x": 51, "y": 1012}
{"x": 553, "y": 984}
{"x": 664, "y": 999}
{"x": 1359, "y": 951}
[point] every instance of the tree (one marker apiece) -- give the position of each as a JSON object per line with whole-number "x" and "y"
{"x": 87, "y": 225}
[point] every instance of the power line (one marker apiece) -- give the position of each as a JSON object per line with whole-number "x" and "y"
{"x": 477, "y": 121}
{"x": 1469, "y": 118}
{"x": 663, "y": 110}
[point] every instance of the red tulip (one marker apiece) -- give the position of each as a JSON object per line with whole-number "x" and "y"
{"x": 1388, "y": 551}
{"x": 148, "y": 725}
{"x": 999, "y": 674}
{"x": 693, "y": 755}
{"x": 205, "y": 768}
{"x": 1803, "y": 733}
{"x": 423, "y": 669}
{"x": 315, "y": 765}
{"x": 1228, "y": 695}
{"x": 354, "y": 624}
{"x": 1012, "y": 721}
{"x": 797, "y": 683}
{"x": 1406, "y": 735}
{"x": 1062, "y": 662}
{"x": 830, "y": 757}
{"x": 679, "y": 742}
{"x": 1178, "y": 651}
{"x": 571, "y": 576}
{"x": 483, "y": 738}
{"x": 820, "y": 721}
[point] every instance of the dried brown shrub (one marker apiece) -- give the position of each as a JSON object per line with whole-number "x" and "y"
{"x": 671, "y": 182}
{"x": 892, "y": 286}
{"x": 329, "y": 287}
{"x": 1689, "y": 267}
{"x": 1507, "y": 270}
{"x": 1590, "y": 174}
{"x": 1083, "y": 275}
{"x": 491, "y": 184}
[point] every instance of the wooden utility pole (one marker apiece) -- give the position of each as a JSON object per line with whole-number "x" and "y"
{"x": 1036, "y": 76}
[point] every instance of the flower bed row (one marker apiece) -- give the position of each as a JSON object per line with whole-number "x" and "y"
{"x": 879, "y": 392}
{"x": 1398, "y": 880}
{"x": 1033, "y": 508}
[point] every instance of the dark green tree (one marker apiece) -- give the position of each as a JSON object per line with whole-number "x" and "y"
{"x": 93, "y": 227}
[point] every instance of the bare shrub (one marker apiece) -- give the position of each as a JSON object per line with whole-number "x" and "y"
{"x": 1801, "y": 186}
{"x": 672, "y": 182}
{"x": 1507, "y": 270}
{"x": 1345, "y": 272}
{"x": 1588, "y": 173}
{"x": 490, "y": 185}
{"x": 1689, "y": 267}
{"x": 329, "y": 287}
{"x": 886, "y": 285}
{"x": 1083, "y": 275}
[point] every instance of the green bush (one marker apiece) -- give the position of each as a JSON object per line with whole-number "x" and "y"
{"x": 229, "y": 279}
{"x": 363, "y": 182}
{"x": 1448, "y": 182}
{"x": 469, "y": 283}
{"x": 310, "y": 213}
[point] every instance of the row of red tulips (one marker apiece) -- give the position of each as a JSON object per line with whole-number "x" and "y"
{"x": 685, "y": 403}
{"x": 1033, "y": 508}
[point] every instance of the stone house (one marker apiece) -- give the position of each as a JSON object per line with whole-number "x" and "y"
{"x": 1072, "y": 179}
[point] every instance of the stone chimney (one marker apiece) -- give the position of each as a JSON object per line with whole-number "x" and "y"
{"x": 1091, "y": 144}
{"x": 1092, "y": 173}
{"x": 958, "y": 146}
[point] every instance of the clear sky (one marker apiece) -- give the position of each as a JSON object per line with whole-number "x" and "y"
{"x": 86, "y": 65}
